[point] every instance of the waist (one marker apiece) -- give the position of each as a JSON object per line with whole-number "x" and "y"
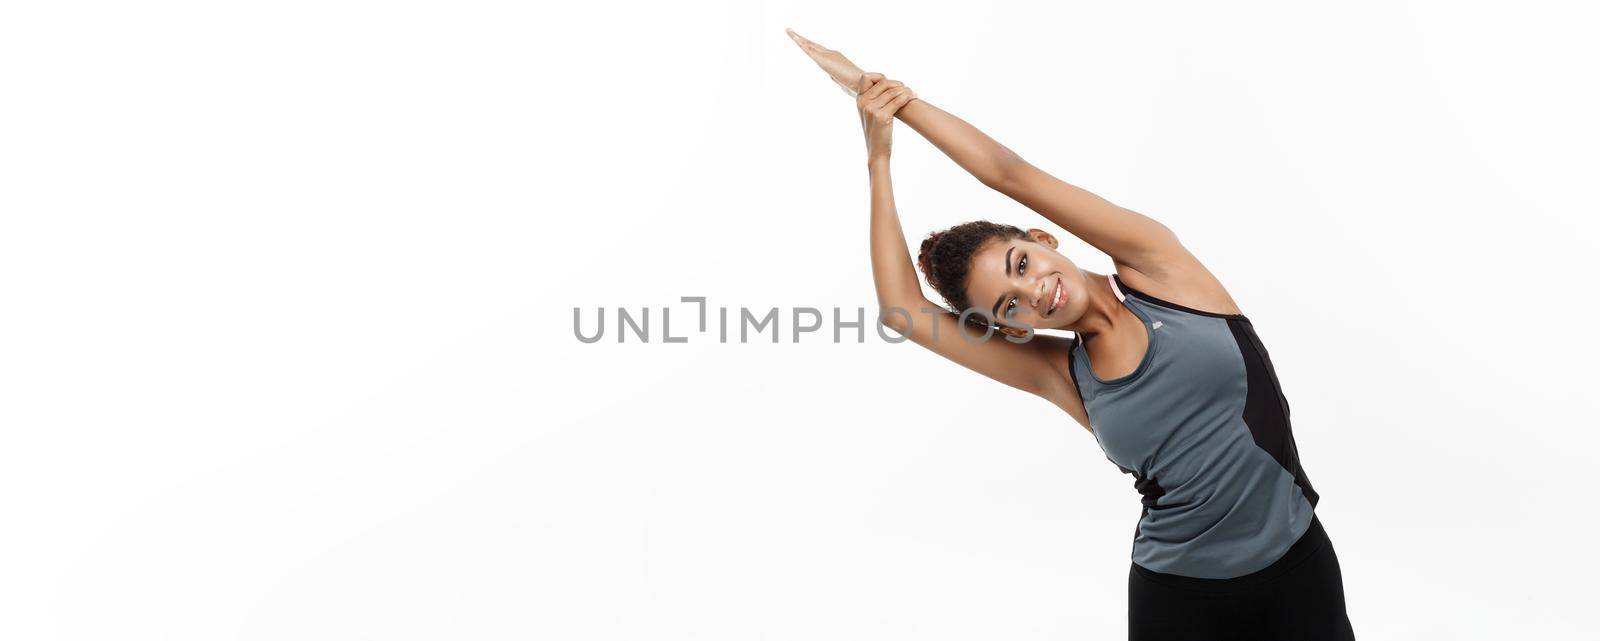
{"x": 1312, "y": 540}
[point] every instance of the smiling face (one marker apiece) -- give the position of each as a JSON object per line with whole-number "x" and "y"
{"x": 1025, "y": 282}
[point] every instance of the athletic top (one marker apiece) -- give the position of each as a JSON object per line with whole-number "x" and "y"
{"x": 1203, "y": 427}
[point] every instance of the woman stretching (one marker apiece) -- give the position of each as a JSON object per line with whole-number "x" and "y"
{"x": 1163, "y": 369}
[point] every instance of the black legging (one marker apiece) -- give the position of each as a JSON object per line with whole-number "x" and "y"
{"x": 1299, "y": 597}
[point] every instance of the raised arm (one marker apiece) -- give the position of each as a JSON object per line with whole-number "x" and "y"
{"x": 1128, "y": 237}
{"x": 1035, "y": 366}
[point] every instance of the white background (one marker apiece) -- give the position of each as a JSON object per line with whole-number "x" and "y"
{"x": 288, "y": 296}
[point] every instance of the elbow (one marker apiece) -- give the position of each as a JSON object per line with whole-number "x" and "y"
{"x": 895, "y": 318}
{"x": 1006, "y": 169}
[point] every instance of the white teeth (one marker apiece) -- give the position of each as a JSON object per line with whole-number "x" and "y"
{"x": 1056, "y": 300}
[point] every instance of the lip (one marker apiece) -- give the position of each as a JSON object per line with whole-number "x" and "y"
{"x": 1056, "y": 300}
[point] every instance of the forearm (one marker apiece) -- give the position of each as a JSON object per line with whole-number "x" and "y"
{"x": 983, "y": 157}
{"x": 892, "y": 271}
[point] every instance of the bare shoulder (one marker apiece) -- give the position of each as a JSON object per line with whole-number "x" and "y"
{"x": 1181, "y": 278}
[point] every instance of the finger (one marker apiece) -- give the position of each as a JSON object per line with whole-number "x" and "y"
{"x": 899, "y": 101}
{"x": 798, "y": 39}
{"x": 876, "y": 101}
{"x": 884, "y": 97}
{"x": 878, "y": 89}
{"x": 868, "y": 80}
{"x": 811, "y": 49}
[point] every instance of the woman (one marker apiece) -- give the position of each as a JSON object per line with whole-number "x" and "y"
{"x": 1163, "y": 369}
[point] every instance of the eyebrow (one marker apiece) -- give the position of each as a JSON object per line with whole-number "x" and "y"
{"x": 997, "y": 301}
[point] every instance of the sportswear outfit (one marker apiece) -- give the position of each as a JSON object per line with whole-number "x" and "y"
{"x": 1227, "y": 545}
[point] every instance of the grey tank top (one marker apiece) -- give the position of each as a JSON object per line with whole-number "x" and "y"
{"x": 1203, "y": 426}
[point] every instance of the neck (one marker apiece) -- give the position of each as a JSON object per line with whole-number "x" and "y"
{"x": 1105, "y": 313}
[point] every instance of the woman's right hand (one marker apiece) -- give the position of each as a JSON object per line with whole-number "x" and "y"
{"x": 877, "y": 100}
{"x": 839, "y": 68}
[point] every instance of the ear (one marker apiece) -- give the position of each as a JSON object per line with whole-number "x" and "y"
{"x": 1012, "y": 331}
{"x": 1043, "y": 238}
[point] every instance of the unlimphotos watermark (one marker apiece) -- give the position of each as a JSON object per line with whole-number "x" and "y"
{"x": 750, "y": 322}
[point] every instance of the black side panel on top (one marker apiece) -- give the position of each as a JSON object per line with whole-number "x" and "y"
{"x": 1149, "y": 492}
{"x": 1072, "y": 374}
{"x": 1266, "y": 410}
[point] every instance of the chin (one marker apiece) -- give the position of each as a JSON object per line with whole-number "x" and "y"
{"x": 1063, "y": 318}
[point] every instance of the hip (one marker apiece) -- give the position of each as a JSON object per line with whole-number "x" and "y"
{"x": 1300, "y": 595}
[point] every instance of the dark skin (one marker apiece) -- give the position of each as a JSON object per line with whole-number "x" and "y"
{"x": 1020, "y": 278}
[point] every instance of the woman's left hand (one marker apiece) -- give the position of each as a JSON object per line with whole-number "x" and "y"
{"x": 878, "y": 100}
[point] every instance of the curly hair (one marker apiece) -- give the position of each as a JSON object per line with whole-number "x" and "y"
{"x": 946, "y": 257}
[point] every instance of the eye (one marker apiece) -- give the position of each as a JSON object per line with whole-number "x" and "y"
{"x": 1010, "y": 306}
{"x": 1022, "y": 264}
